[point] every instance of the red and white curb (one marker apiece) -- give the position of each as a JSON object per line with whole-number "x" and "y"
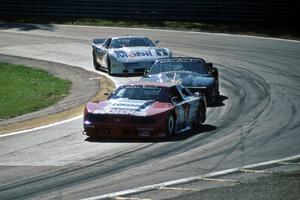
{"x": 195, "y": 178}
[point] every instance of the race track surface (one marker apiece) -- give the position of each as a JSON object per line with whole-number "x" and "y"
{"x": 258, "y": 119}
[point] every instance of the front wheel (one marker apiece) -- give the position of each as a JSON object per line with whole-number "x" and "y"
{"x": 108, "y": 66}
{"x": 200, "y": 117}
{"x": 214, "y": 97}
{"x": 171, "y": 125}
{"x": 96, "y": 65}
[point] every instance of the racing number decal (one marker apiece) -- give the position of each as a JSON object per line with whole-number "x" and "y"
{"x": 182, "y": 112}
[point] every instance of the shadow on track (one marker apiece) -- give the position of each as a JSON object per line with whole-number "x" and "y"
{"x": 181, "y": 136}
{"x": 219, "y": 103}
{"x": 26, "y": 27}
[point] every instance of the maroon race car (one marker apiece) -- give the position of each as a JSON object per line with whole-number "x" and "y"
{"x": 144, "y": 109}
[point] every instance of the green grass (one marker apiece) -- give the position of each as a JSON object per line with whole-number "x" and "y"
{"x": 24, "y": 90}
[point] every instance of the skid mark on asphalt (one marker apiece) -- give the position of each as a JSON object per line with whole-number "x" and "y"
{"x": 40, "y": 144}
{"x": 257, "y": 171}
{"x": 127, "y": 198}
{"x": 177, "y": 188}
{"x": 219, "y": 180}
{"x": 247, "y": 168}
{"x": 288, "y": 163}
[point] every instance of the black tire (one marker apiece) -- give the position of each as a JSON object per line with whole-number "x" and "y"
{"x": 96, "y": 65}
{"x": 214, "y": 99}
{"x": 201, "y": 113}
{"x": 108, "y": 66}
{"x": 215, "y": 73}
{"x": 171, "y": 125}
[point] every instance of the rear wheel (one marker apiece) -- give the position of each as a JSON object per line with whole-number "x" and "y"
{"x": 171, "y": 125}
{"x": 214, "y": 95}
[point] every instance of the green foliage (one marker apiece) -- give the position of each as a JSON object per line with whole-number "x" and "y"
{"x": 24, "y": 90}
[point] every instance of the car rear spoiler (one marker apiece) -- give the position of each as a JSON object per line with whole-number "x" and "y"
{"x": 98, "y": 41}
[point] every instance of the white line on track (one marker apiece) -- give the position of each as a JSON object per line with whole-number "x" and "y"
{"x": 194, "y": 178}
{"x": 40, "y": 127}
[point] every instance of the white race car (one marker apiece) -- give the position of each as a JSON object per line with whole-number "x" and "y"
{"x": 126, "y": 55}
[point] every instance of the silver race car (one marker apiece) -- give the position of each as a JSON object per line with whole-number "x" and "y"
{"x": 126, "y": 55}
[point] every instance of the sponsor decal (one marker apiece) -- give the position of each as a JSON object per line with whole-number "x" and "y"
{"x": 123, "y": 54}
{"x": 125, "y": 108}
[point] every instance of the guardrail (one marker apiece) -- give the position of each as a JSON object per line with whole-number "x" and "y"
{"x": 217, "y": 10}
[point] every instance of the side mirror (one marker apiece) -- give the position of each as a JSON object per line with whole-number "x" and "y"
{"x": 156, "y": 42}
{"x": 174, "y": 100}
{"x": 108, "y": 94}
{"x": 209, "y": 66}
{"x": 146, "y": 72}
{"x": 196, "y": 94}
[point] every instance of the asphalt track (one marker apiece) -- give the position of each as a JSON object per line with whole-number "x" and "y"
{"x": 258, "y": 119}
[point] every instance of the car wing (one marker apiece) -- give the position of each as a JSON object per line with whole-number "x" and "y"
{"x": 98, "y": 41}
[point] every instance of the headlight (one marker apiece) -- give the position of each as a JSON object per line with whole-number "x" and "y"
{"x": 115, "y": 61}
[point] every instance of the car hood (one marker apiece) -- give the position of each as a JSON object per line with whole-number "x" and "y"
{"x": 132, "y": 54}
{"x": 187, "y": 78}
{"x": 124, "y": 106}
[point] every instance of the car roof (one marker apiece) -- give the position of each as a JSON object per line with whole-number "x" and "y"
{"x": 152, "y": 84}
{"x": 180, "y": 59}
{"x": 128, "y": 36}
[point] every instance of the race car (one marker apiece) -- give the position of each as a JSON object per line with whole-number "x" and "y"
{"x": 143, "y": 110}
{"x": 126, "y": 55}
{"x": 194, "y": 73}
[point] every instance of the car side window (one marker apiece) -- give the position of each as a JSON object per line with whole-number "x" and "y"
{"x": 175, "y": 95}
{"x": 155, "y": 69}
{"x": 106, "y": 43}
{"x": 185, "y": 92}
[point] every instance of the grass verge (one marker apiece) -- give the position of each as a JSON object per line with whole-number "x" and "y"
{"x": 105, "y": 85}
{"x": 24, "y": 90}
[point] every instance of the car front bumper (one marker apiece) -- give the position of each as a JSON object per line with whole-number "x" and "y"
{"x": 113, "y": 130}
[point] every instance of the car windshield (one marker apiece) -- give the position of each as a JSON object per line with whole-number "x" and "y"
{"x": 131, "y": 42}
{"x": 142, "y": 93}
{"x": 197, "y": 66}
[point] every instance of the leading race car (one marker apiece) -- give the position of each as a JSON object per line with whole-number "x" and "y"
{"x": 144, "y": 109}
{"x": 194, "y": 73}
{"x": 128, "y": 54}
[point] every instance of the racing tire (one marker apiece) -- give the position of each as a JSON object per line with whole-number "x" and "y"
{"x": 200, "y": 118}
{"x": 96, "y": 65}
{"x": 214, "y": 99}
{"x": 171, "y": 125}
{"x": 216, "y": 73}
